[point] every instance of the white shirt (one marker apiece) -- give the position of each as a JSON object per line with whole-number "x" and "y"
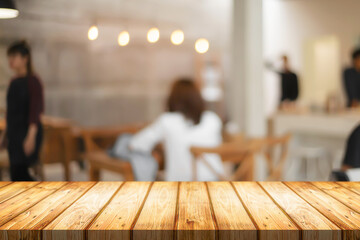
{"x": 177, "y": 135}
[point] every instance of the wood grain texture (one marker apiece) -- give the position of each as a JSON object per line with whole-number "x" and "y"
{"x": 195, "y": 220}
{"x": 116, "y": 219}
{"x": 71, "y": 224}
{"x": 2, "y": 183}
{"x": 28, "y": 224}
{"x": 179, "y": 210}
{"x": 353, "y": 186}
{"x": 8, "y": 191}
{"x": 314, "y": 225}
{"x": 157, "y": 218}
{"x": 343, "y": 216}
{"x": 232, "y": 219}
{"x": 344, "y": 195}
{"x": 21, "y": 202}
{"x": 271, "y": 222}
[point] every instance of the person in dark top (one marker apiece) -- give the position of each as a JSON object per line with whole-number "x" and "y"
{"x": 25, "y": 104}
{"x": 352, "y": 153}
{"x": 289, "y": 83}
{"x": 351, "y": 77}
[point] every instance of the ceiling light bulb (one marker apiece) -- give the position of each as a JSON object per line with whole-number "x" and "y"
{"x": 93, "y": 33}
{"x": 8, "y": 13}
{"x": 8, "y": 9}
{"x": 153, "y": 35}
{"x": 177, "y": 37}
{"x": 124, "y": 38}
{"x": 202, "y": 45}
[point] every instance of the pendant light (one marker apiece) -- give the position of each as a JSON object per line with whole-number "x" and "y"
{"x": 123, "y": 38}
{"x": 177, "y": 37}
{"x": 153, "y": 35}
{"x": 8, "y": 9}
{"x": 93, "y": 33}
{"x": 202, "y": 45}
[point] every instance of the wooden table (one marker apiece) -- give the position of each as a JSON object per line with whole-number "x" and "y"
{"x": 186, "y": 210}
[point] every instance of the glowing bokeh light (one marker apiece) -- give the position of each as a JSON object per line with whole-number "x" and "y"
{"x": 177, "y": 37}
{"x": 153, "y": 35}
{"x": 124, "y": 38}
{"x": 93, "y": 33}
{"x": 202, "y": 45}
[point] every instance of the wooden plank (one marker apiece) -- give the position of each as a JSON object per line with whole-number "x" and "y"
{"x": 71, "y": 224}
{"x": 270, "y": 220}
{"x": 3, "y": 183}
{"x": 232, "y": 219}
{"x": 14, "y": 189}
{"x": 353, "y": 186}
{"x": 314, "y": 225}
{"x": 195, "y": 219}
{"x": 21, "y": 202}
{"x": 28, "y": 224}
{"x": 343, "y": 216}
{"x": 116, "y": 219}
{"x": 344, "y": 195}
{"x": 157, "y": 218}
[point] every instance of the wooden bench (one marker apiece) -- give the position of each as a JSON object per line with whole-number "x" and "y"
{"x": 180, "y": 210}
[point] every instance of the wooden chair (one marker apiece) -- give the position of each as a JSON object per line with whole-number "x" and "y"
{"x": 96, "y": 141}
{"x": 60, "y": 144}
{"x": 240, "y": 152}
{"x": 276, "y": 167}
{"x": 4, "y": 163}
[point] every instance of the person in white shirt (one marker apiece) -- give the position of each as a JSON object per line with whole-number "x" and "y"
{"x": 185, "y": 124}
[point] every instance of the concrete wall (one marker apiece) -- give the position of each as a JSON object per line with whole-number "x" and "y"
{"x": 100, "y": 83}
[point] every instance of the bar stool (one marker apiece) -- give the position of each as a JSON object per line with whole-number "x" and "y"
{"x": 316, "y": 161}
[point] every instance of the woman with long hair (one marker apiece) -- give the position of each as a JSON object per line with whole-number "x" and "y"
{"x": 25, "y": 104}
{"x": 186, "y": 123}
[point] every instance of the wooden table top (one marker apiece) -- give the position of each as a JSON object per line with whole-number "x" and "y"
{"x": 185, "y": 210}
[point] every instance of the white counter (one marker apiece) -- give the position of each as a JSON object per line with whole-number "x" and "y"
{"x": 314, "y": 130}
{"x": 327, "y": 125}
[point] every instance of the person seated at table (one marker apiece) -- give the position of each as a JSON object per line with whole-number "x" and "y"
{"x": 186, "y": 123}
{"x": 351, "y": 77}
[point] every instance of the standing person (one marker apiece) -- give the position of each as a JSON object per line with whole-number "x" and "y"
{"x": 289, "y": 83}
{"x": 351, "y": 79}
{"x": 25, "y": 104}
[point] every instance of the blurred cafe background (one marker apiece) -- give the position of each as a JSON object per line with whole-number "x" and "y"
{"x": 281, "y": 75}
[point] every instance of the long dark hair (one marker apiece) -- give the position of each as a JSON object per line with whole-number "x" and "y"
{"x": 185, "y": 98}
{"x": 22, "y": 48}
{"x": 356, "y": 53}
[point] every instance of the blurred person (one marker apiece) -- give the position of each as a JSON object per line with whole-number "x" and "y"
{"x": 350, "y": 168}
{"x": 289, "y": 83}
{"x": 352, "y": 152}
{"x": 185, "y": 124}
{"x": 351, "y": 78}
{"x": 25, "y": 104}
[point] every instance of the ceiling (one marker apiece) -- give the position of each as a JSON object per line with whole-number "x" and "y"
{"x": 54, "y": 18}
